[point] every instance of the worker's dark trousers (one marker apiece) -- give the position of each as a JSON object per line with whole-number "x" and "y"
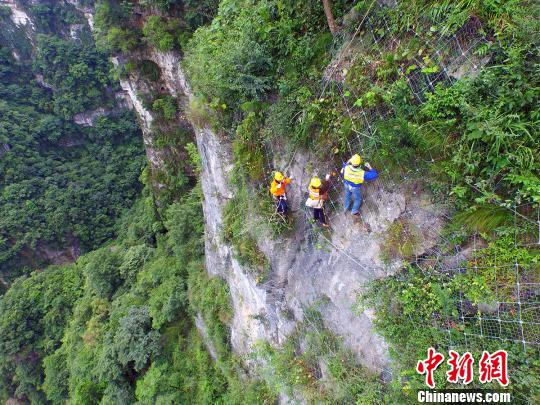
{"x": 318, "y": 214}
{"x": 281, "y": 206}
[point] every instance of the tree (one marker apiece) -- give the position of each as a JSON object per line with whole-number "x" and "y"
{"x": 102, "y": 272}
{"x": 329, "y": 16}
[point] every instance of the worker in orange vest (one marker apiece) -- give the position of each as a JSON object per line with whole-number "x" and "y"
{"x": 318, "y": 194}
{"x": 278, "y": 191}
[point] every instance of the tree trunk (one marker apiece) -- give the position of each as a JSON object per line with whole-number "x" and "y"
{"x": 329, "y": 16}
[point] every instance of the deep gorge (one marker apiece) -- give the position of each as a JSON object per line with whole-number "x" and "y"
{"x": 196, "y": 291}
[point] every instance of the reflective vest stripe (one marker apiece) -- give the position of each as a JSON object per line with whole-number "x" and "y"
{"x": 355, "y": 176}
{"x": 314, "y": 194}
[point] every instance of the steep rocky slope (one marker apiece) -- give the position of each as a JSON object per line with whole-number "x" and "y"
{"x": 307, "y": 266}
{"x": 193, "y": 297}
{"x": 302, "y": 272}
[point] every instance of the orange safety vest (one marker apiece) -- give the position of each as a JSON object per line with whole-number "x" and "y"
{"x": 278, "y": 188}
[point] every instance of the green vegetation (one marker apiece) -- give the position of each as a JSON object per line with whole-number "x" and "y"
{"x": 53, "y": 17}
{"x": 120, "y": 40}
{"x": 250, "y": 52}
{"x": 425, "y": 296}
{"x": 480, "y": 132}
{"x": 165, "y": 107}
{"x": 5, "y": 11}
{"x": 238, "y": 233}
{"x": 401, "y": 241}
{"x": 117, "y": 326}
{"x": 35, "y": 312}
{"x": 253, "y": 51}
{"x": 122, "y": 27}
{"x": 294, "y": 371}
{"x": 78, "y": 75}
{"x": 120, "y": 324}
{"x": 113, "y": 31}
{"x": 118, "y": 28}
{"x": 160, "y": 32}
{"x": 62, "y": 184}
{"x": 472, "y": 140}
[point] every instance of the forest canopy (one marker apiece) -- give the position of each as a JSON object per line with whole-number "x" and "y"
{"x": 61, "y": 184}
{"x": 137, "y": 318}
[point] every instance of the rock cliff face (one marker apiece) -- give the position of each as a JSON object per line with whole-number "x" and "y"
{"x": 307, "y": 266}
{"x": 133, "y": 87}
{"x": 331, "y": 271}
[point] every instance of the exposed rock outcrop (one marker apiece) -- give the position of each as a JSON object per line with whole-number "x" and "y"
{"x": 303, "y": 272}
{"x": 332, "y": 270}
{"x": 135, "y": 86}
{"x": 18, "y": 14}
{"x": 87, "y": 11}
{"x": 88, "y": 118}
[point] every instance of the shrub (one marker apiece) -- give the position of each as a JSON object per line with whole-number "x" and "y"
{"x": 294, "y": 367}
{"x": 210, "y": 297}
{"x": 166, "y": 106}
{"x": 161, "y": 33}
{"x": 149, "y": 70}
{"x": 237, "y": 232}
{"x": 135, "y": 343}
{"x": 121, "y": 40}
{"x": 248, "y": 151}
{"x": 102, "y": 272}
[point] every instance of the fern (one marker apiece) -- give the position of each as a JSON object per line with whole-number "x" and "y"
{"x": 484, "y": 219}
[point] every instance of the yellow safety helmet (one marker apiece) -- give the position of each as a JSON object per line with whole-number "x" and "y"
{"x": 315, "y": 182}
{"x": 356, "y": 160}
{"x": 279, "y": 176}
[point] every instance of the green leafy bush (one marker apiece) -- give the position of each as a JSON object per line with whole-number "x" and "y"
{"x": 121, "y": 40}
{"x": 134, "y": 342}
{"x": 161, "y": 33}
{"x": 165, "y": 106}
{"x": 248, "y": 152}
{"x": 237, "y": 232}
{"x": 111, "y": 26}
{"x": 251, "y": 49}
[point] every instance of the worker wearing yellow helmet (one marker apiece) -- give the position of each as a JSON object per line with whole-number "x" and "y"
{"x": 318, "y": 194}
{"x": 353, "y": 178}
{"x": 278, "y": 191}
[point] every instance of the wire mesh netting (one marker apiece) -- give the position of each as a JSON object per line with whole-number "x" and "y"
{"x": 513, "y": 313}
